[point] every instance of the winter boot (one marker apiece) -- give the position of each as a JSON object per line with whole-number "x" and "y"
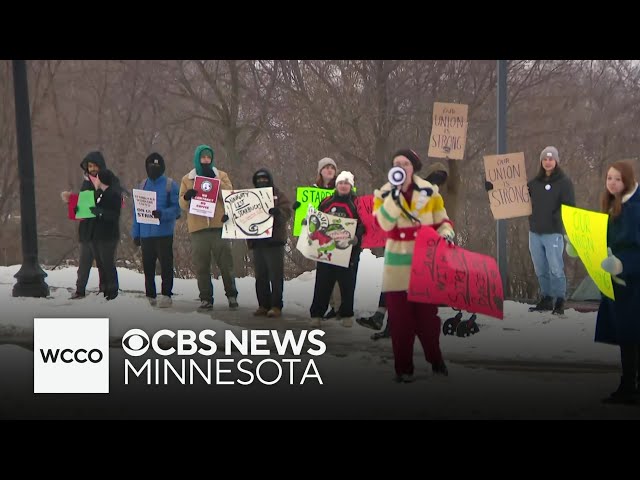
{"x": 558, "y": 309}
{"x": 440, "y": 368}
{"x": 373, "y": 322}
{"x": 545, "y": 304}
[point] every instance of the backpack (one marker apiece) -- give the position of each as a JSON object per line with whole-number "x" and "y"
{"x": 169, "y": 184}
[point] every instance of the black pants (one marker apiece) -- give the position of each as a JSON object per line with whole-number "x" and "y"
{"x": 630, "y": 356}
{"x": 157, "y": 248}
{"x": 104, "y": 252}
{"x": 326, "y": 277}
{"x": 269, "y": 269}
{"x": 84, "y": 268}
{"x": 382, "y": 302}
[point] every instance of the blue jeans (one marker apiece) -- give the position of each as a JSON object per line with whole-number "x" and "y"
{"x": 546, "y": 253}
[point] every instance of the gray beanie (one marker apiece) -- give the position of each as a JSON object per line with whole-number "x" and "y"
{"x": 326, "y": 161}
{"x": 550, "y": 152}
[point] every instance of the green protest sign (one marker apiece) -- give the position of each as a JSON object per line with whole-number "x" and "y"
{"x": 86, "y": 200}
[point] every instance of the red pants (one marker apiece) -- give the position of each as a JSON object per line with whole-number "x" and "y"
{"x": 406, "y": 320}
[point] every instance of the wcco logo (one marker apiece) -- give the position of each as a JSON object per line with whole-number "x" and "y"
{"x": 71, "y": 355}
{"x": 81, "y": 355}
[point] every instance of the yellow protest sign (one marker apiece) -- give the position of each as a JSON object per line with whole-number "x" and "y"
{"x": 587, "y": 232}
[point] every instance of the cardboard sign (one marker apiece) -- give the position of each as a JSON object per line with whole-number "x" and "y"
{"x": 448, "y": 131}
{"x": 510, "y": 195}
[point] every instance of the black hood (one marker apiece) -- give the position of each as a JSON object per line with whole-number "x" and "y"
{"x": 154, "y": 159}
{"x": 93, "y": 157}
{"x": 263, "y": 172}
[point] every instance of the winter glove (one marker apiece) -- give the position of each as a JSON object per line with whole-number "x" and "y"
{"x": 295, "y": 205}
{"x": 274, "y": 211}
{"x": 97, "y": 211}
{"x": 612, "y": 264}
{"x": 157, "y": 214}
{"x": 488, "y": 186}
{"x": 136, "y": 241}
{"x": 189, "y": 194}
{"x": 225, "y": 217}
{"x": 354, "y": 241}
{"x": 449, "y": 236}
{"x": 76, "y": 209}
{"x": 569, "y": 248}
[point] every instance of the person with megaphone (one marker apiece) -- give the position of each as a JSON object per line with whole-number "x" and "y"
{"x": 402, "y": 206}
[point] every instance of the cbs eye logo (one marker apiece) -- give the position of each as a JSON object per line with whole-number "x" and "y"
{"x": 135, "y": 342}
{"x": 206, "y": 186}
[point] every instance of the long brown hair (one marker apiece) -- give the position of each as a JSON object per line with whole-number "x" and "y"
{"x": 332, "y": 182}
{"x": 612, "y": 204}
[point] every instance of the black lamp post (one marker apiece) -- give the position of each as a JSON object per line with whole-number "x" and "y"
{"x": 30, "y": 276}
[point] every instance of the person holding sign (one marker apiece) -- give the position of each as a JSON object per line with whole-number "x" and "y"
{"x": 617, "y": 321}
{"x": 92, "y": 163}
{"x": 268, "y": 253}
{"x": 106, "y": 232}
{"x": 548, "y": 190}
{"x": 341, "y": 204}
{"x": 402, "y": 206}
{"x": 436, "y": 174}
{"x": 206, "y": 232}
{"x": 156, "y": 241}
{"x": 327, "y": 171}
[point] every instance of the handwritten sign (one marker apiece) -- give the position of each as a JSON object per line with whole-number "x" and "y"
{"x": 204, "y": 204}
{"x": 308, "y": 196}
{"x": 144, "y": 202}
{"x": 448, "y": 130}
{"x": 510, "y": 195}
{"x": 587, "y": 232}
{"x": 248, "y": 212}
{"x": 373, "y": 236}
{"x": 441, "y": 274}
{"x": 327, "y": 238}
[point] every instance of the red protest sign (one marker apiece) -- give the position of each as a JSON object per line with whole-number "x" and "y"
{"x": 71, "y": 206}
{"x": 445, "y": 275}
{"x": 374, "y": 236}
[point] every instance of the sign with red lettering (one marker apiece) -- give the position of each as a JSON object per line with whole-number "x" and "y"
{"x": 374, "y": 236}
{"x": 450, "y": 275}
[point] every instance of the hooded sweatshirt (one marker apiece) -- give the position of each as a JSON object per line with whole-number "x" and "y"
{"x": 283, "y": 205}
{"x": 198, "y": 222}
{"x": 166, "y": 203}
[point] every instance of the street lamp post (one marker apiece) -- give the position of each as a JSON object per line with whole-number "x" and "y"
{"x": 501, "y": 227}
{"x": 30, "y": 276}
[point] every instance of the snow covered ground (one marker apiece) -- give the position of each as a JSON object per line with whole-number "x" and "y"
{"x": 529, "y": 365}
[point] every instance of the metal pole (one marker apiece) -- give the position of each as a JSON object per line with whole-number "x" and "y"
{"x": 501, "y": 227}
{"x": 30, "y": 276}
